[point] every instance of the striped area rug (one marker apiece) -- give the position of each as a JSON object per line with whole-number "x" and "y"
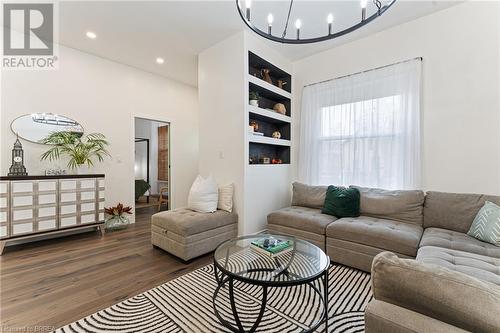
{"x": 185, "y": 305}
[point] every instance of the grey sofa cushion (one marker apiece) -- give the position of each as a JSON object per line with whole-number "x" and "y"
{"x": 302, "y": 218}
{"x": 404, "y": 206}
{"x": 482, "y": 267}
{"x": 380, "y": 233}
{"x": 186, "y": 222}
{"x": 454, "y": 211}
{"x": 308, "y": 196}
{"x": 454, "y": 240}
{"x": 452, "y": 297}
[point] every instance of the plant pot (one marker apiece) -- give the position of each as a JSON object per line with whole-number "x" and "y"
{"x": 254, "y": 102}
{"x": 117, "y": 222}
{"x": 81, "y": 169}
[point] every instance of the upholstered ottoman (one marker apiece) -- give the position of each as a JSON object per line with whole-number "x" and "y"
{"x": 188, "y": 234}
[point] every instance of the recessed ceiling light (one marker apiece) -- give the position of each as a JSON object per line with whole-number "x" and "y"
{"x": 91, "y": 35}
{"x": 160, "y": 61}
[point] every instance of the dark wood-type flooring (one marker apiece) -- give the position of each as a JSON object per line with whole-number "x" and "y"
{"x": 54, "y": 282}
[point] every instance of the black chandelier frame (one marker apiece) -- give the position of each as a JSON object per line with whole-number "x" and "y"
{"x": 266, "y": 34}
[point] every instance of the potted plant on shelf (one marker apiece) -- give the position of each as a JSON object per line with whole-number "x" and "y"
{"x": 116, "y": 216}
{"x": 81, "y": 150}
{"x": 254, "y": 98}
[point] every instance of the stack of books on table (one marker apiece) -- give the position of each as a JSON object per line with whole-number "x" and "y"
{"x": 271, "y": 246}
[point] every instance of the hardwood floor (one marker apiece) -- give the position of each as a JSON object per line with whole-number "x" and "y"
{"x": 54, "y": 282}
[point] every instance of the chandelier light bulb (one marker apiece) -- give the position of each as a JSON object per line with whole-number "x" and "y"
{"x": 248, "y": 4}
{"x": 270, "y": 19}
{"x": 329, "y": 19}
{"x": 363, "y": 9}
{"x": 298, "y": 25}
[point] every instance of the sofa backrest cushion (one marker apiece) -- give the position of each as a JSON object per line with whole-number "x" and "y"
{"x": 308, "y": 196}
{"x": 454, "y": 211}
{"x": 398, "y": 205}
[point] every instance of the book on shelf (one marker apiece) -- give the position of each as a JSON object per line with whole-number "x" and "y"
{"x": 271, "y": 246}
{"x": 257, "y": 133}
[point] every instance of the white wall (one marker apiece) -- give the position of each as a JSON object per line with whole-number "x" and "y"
{"x": 461, "y": 108}
{"x": 104, "y": 97}
{"x": 220, "y": 92}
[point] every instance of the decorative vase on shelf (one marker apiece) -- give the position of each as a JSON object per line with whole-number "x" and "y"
{"x": 282, "y": 84}
{"x": 264, "y": 73}
{"x": 280, "y": 108}
{"x": 255, "y": 125}
{"x": 254, "y": 102}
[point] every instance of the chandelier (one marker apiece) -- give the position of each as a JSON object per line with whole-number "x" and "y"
{"x": 245, "y": 15}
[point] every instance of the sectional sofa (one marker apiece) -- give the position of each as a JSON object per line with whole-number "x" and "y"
{"x": 428, "y": 228}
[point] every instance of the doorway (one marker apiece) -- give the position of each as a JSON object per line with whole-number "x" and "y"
{"x": 152, "y": 165}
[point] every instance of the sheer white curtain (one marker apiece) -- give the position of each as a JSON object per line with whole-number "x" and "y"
{"x": 363, "y": 129}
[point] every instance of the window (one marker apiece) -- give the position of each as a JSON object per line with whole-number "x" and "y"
{"x": 362, "y": 131}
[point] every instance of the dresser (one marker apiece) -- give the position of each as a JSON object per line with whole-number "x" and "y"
{"x": 33, "y": 206}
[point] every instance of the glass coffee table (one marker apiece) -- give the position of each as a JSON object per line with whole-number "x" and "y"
{"x": 236, "y": 261}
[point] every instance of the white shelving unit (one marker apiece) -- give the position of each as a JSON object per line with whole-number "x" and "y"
{"x": 271, "y": 114}
{"x": 268, "y": 141}
{"x": 268, "y": 86}
{"x": 263, "y": 148}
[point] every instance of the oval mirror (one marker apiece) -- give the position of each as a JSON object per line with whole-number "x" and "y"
{"x": 37, "y": 126}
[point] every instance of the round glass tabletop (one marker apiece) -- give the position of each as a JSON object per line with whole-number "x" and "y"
{"x": 298, "y": 263}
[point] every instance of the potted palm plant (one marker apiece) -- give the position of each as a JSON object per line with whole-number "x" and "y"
{"x": 81, "y": 150}
{"x": 116, "y": 216}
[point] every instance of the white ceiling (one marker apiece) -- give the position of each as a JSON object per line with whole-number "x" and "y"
{"x": 137, "y": 32}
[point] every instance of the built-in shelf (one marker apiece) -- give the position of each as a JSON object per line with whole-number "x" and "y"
{"x": 267, "y": 140}
{"x": 265, "y": 148}
{"x": 256, "y": 64}
{"x": 268, "y": 99}
{"x": 263, "y": 84}
{"x": 268, "y": 115}
{"x": 260, "y": 151}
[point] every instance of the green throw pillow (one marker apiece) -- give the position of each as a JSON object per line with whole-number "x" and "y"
{"x": 486, "y": 225}
{"x": 341, "y": 201}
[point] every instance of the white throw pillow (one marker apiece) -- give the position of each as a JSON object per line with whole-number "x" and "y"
{"x": 203, "y": 195}
{"x": 226, "y": 198}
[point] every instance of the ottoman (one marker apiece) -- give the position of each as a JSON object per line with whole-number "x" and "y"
{"x": 188, "y": 234}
